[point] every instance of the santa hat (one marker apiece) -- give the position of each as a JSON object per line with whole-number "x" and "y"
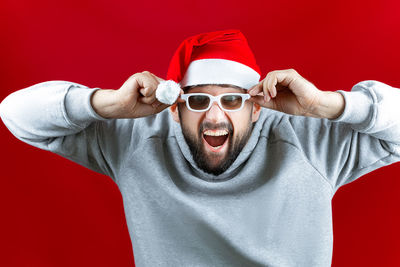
{"x": 221, "y": 57}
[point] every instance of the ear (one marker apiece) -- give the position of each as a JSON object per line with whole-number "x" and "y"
{"x": 256, "y": 112}
{"x": 174, "y": 112}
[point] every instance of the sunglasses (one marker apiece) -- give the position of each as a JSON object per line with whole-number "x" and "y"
{"x": 200, "y": 102}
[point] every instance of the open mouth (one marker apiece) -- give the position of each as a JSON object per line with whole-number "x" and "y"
{"x": 216, "y": 139}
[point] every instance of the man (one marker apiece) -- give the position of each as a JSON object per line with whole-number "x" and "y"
{"x": 237, "y": 172}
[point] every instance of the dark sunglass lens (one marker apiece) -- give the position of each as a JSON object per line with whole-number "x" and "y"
{"x": 199, "y": 101}
{"x": 231, "y": 101}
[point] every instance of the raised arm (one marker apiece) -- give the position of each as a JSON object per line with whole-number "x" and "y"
{"x": 71, "y": 119}
{"x": 344, "y": 135}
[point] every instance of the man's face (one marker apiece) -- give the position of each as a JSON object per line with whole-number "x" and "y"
{"x": 216, "y": 137}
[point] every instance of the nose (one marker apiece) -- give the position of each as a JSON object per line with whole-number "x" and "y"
{"x": 215, "y": 113}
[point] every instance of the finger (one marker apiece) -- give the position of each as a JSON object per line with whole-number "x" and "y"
{"x": 156, "y": 79}
{"x": 152, "y": 91}
{"x": 256, "y": 89}
{"x": 267, "y": 96}
{"x": 147, "y": 83}
{"x": 279, "y": 80}
{"x": 147, "y": 92}
{"x": 286, "y": 77}
{"x": 147, "y": 100}
{"x": 271, "y": 84}
{"x": 259, "y": 89}
{"x": 155, "y": 82}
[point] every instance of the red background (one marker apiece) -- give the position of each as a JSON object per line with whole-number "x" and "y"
{"x": 56, "y": 213}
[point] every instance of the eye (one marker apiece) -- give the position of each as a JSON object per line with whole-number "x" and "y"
{"x": 231, "y": 101}
{"x": 199, "y": 101}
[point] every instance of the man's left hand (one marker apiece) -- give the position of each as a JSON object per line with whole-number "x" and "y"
{"x": 288, "y": 92}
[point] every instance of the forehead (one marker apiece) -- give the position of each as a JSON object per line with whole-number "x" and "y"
{"x": 215, "y": 89}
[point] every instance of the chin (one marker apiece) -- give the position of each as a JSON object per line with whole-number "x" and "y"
{"x": 212, "y": 163}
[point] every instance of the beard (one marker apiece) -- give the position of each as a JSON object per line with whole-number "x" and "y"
{"x": 213, "y": 163}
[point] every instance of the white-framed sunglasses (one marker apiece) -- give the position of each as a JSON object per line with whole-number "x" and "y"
{"x": 200, "y": 102}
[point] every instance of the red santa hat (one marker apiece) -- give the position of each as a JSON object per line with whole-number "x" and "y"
{"x": 221, "y": 57}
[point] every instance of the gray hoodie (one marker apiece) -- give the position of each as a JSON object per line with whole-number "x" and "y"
{"x": 272, "y": 207}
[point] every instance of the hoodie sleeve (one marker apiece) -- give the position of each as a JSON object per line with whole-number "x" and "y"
{"x": 57, "y": 116}
{"x": 366, "y": 136}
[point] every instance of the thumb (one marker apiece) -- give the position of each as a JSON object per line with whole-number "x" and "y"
{"x": 259, "y": 99}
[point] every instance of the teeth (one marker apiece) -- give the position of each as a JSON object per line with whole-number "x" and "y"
{"x": 216, "y": 133}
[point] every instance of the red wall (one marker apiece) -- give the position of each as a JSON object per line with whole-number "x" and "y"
{"x": 56, "y": 213}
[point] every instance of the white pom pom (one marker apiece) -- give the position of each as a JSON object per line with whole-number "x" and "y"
{"x": 167, "y": 92}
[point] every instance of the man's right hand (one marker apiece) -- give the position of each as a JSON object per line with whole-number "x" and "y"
{"x": 136, "y": 98}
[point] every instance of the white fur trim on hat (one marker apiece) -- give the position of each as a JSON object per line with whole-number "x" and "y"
{"x": 220, "y": 71}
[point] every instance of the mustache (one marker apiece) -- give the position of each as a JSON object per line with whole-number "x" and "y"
{"x": 213, "y": 126}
